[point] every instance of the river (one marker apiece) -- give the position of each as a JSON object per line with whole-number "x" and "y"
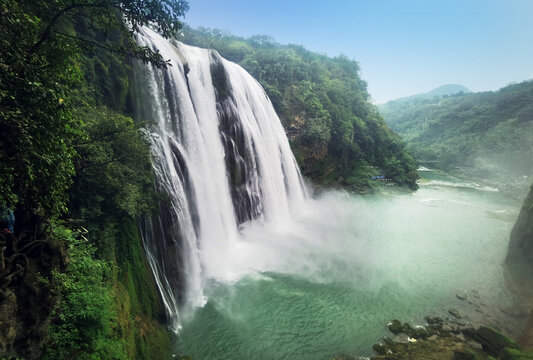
{"x": 326, "y": 281}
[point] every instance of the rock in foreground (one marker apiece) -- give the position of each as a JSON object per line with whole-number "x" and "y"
{"x": 440, "y": 340}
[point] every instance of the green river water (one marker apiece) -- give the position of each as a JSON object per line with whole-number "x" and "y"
{"x": 326, "y": 282}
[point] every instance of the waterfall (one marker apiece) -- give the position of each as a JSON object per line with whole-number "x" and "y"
{"x": 221, "y": 159}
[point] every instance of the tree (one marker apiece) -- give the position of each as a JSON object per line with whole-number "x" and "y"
{"x": 40, "y": 44}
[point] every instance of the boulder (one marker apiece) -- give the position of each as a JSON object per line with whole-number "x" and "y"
{"x": 395, "y": 326}
{"x": 494, "y": 342}
{"x": 461, "y": 296}
{"x": 514, "y": 354}
{"x": 464, "y": 355}
{"x": 454, "y": 313}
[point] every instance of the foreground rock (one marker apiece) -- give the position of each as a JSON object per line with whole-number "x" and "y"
{"x": 442, "y": 340}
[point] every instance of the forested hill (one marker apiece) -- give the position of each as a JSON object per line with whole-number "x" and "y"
{"x": 337, "y": 135}
{"x": 488, "y": 134}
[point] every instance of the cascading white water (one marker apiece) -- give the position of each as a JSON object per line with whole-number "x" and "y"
{"x": 220, "y": 155}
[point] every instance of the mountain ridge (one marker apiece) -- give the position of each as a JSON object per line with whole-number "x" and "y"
{"x": 446, "y": 89}
{"x": 487, "y": 134}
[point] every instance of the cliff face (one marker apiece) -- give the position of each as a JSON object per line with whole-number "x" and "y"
{"x": 519, "y": 264}
{"x": 520, "y": 254}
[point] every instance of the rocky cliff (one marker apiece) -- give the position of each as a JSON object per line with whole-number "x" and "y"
{"x": 519, "y": 263}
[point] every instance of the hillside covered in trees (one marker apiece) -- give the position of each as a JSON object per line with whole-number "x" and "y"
{"x": 488, "y": 134}
{"x": 337, "y": 135}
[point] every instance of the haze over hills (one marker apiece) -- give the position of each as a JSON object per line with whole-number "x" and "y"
{"x": 447, "y": 89}
{"x": 486, "y": 134}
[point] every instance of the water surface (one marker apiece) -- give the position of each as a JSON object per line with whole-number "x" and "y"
{"x": 326, "y": 281}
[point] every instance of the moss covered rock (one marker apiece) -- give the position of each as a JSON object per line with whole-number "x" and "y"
{"x": 494, "y": 342}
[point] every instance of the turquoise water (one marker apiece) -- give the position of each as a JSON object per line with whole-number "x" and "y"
{"x": 327, "y": 281}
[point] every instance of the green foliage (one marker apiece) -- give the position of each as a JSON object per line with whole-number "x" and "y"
{"x": 66, "y": 149}
{"x": 106, "y": 311}
{"x": 83, "y": 326}
{"x": 40, "y": 43}
{"x": 490, "y": 133}
{"x": 335, "y": 132}
{"x": 35, "y": 154}
{"x": 132, "y": 270}
{"x": 515, "y": 354}
{"x": 113, "y": 169}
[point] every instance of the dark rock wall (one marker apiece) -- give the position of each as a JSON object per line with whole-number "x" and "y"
{"x": 520, "y": 254}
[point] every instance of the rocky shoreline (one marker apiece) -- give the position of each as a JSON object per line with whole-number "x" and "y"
{"x": 444, "y": 339}
{"x": 478, "y": 332}
{"x": 440, "y": 339}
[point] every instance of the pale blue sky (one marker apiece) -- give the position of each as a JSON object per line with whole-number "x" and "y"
{"x": 403, "y": 47}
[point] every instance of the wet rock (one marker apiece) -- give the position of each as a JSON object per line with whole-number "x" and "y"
{"x": 455, "y": 313}
{"x": 401, "y": 338}
{"x": 442, "y": 340}
{"x": 434, "y": 320}
{"x": 395, "y": 326}
{"x": 464, "y": 355}
{"x": 458, "y": 322}
{"x": 380, "y": 348}
{"x": 461, "y": 296}
{"x": 470, "y": 333}
{"x": 515, "y": 354}
{"x": 494, "y": 342}
{"x": 456, "y": 331}
{"x": 419, "y": 333}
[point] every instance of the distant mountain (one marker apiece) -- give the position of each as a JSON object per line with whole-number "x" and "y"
{"x": 487, "y": 134}
{"x": 448, "y": 89}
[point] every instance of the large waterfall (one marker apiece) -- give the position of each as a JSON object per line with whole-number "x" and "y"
{"x": 221, "y": 158}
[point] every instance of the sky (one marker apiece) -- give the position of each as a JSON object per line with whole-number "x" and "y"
{"x": 404, "y": 47}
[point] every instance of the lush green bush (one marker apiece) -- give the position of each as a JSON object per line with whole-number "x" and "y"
{"x": 85, "y": 320}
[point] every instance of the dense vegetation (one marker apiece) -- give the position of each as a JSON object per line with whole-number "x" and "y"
{"x": 337, "y": 135}
{"x": 74, "y": 165}
{"x": 490, "y": 133}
